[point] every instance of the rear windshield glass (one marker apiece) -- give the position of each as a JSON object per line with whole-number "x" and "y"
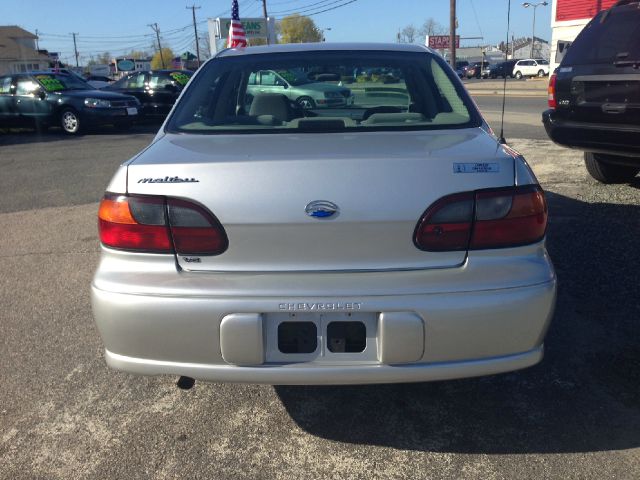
{"x": 323, "y": 91}
{"x": 609, "y": 37}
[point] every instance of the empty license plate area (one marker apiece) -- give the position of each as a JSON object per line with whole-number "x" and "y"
{"x": 321, "y": 338}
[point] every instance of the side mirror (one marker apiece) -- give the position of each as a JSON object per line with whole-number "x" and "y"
{"x": 42, "y": 94}
{"x": 171, "y": 88}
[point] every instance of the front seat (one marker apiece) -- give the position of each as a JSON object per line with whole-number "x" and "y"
{"x": 274, "y": 104}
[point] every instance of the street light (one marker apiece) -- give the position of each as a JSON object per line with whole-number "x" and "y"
{"x": 533, "y": 34}
{"x": 322, "y": 30}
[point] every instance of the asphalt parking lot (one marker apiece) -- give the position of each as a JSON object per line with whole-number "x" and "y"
{"x": 64, "y": 415}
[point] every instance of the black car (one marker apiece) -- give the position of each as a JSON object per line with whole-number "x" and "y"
{"x": 478, "y": 70}
{"x": 461, "y": 68}
{"x": 594, "y": 96}
{"x": 502, "y": 69}
{"x": 156, "y": 90}
{"x": 44, "y": 99}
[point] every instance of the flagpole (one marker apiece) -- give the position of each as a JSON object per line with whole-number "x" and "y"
{"x": 266, "y": 18}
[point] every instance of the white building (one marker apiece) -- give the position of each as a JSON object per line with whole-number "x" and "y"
{"x": 18, "y": 51}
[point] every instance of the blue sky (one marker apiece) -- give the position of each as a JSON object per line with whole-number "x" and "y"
{"x": 118, "y": 25}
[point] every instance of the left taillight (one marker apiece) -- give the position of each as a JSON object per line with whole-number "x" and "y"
{"x": 154, "y": 224}
{"x": 551, "y": 92}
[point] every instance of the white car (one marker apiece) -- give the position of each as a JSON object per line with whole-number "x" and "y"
{"x": 531, "y": 68}
{"x": 389, "y": 240}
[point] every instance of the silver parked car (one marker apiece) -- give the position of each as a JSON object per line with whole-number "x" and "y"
{"x": 390, "y": 240}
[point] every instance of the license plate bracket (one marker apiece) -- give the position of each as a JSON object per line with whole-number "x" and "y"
{"x": 340, "y": 337}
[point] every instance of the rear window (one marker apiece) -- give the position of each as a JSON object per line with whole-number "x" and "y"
{"x": 610, "y": 36}
{"x": 323, "y": 91}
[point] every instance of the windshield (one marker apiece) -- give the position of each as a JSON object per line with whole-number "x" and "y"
{"x": 55, "y": 82}
{"x": 324, "y": 91}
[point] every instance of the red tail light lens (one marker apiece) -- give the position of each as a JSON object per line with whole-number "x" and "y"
{"x": 134, "y": 223}
{"x": 508, "y": 218}
{"x": 446, "y": 225}
{"x": 552, "y": 91}
{"x": 155, "y": 225}
{"x": 500, "y": 218}
{"x": 194, "y": 230}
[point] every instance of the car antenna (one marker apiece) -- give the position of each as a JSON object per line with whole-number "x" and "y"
{"x": 501, "y": 139}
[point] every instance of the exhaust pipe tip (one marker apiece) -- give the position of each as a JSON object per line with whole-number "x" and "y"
{"x": 185, "y": 383}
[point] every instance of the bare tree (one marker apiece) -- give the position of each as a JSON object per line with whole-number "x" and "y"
{"x": 432, "y": 27}
{"x": 408, "y": 34}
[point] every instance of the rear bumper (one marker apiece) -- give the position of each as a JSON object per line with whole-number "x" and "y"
{"x": 299, "y": 374}
{"x": 604, "y": 138}
{"x": 159, "y": 321}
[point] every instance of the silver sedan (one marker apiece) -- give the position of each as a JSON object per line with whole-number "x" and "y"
{"x": 391, "y": 240}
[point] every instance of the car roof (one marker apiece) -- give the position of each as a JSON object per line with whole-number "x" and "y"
{"x": 323, "y": 46}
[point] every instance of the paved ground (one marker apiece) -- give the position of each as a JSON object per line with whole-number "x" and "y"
{"x": 64, "y": 415}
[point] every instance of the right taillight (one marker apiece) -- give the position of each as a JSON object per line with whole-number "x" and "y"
{"x": 155, "y": 224}
{"x": 499, "y": 218}
{"x": 552, "y": 91}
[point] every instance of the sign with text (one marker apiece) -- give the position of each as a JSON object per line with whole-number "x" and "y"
{"x": 441, "y": 42}
{"x": 253, "y": 27}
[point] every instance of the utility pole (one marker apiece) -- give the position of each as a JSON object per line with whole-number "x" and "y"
{"x": 75, "y": 48}
{"x": 37, "y": 40}
{"x": 264, "y": 13}
{"x": 195, "y": 29}
{"x": 452, "y": 33}
{"x": 533, "y": 33}
{"x": 154, "y": 27}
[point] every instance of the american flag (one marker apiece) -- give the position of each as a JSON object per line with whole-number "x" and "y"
{"x": 237, "y": 36}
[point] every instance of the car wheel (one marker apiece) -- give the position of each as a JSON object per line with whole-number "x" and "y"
{"x": 518, "y": 75}
{"x": 70, "y": 121}
{"x": 306, "y": 102}
{"x": 605, "y": 172}
{"x": 541, "y": 73}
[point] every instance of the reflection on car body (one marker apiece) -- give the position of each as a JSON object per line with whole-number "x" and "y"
{"x": 299, "y": 88}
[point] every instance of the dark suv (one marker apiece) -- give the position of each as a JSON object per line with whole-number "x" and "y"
{"x": 502, "y": 69}
{"x": 156, "y": 90}
{"x": 594, "y": 96}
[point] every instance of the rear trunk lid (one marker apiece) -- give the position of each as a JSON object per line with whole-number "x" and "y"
{"x": 259, "y": 186}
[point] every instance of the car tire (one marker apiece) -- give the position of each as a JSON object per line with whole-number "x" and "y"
{"x": 541, "y": 73}
{"x": 606, "y": 172}
{"x": 70, "y": 121}
{"x": 518, "y": 75}
{"x": 306, "y": 103}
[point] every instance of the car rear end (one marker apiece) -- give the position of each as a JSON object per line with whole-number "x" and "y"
{"x": 594, "y": 97}
{"x": 391, "y": 241}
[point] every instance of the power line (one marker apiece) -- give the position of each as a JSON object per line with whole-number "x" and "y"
{"x": 332, "y": 8}
{"x": 308, "y": 7}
